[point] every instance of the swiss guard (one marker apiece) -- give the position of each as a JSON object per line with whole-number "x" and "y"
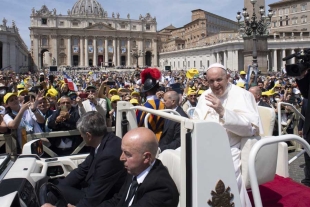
{"x": 149, "y": 79}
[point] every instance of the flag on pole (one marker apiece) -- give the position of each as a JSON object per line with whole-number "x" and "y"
{"x": 71, "y": 84}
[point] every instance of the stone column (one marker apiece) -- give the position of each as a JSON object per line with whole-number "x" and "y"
{"x": 95, "y": 61}
{"x": 236, "y": 60}
{"x": 275, "y": 61}
{"x": 55, "y": 51}
{"x": 106, "y": 54}
{"x": 86, "y": 52}
{"x": 118, "y": 53}
{"x": 69, "y": 55}
{"x": 128, "y": 52}
{"x": 292, "y": 61}
{"x": 5, "y": 57}
{"x": 225, "y": 58}
{"x": 283, "y": 56}
{"x": 82, "y": 51}
{"x": 217, "y": 57}
{"x": 141, "y": 59}
{"x": 154, "y": 46}
{"x": 114, "y": 52}
{"x": 13, "y": 54}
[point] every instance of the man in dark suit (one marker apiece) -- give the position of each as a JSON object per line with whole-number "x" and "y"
{"x": 170, "y": 138}
{"x": 257, "y": 93}
{"x": 303, "y": 85}
{"x": 102, "y": 174}
{"x": 148, "y": 182}
{"x": 64, "y": 119}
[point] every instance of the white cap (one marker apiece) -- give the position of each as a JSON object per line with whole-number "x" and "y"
{"x": 216, "y": 65}
{"x": 41, "y": 73}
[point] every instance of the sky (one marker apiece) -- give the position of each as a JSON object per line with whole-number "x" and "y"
{"x": 175, "y": 12}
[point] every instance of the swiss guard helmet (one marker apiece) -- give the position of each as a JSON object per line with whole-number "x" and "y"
{"x": 149, "y": 79}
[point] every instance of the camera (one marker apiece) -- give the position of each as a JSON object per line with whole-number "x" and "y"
{"x": 295, "y": 70}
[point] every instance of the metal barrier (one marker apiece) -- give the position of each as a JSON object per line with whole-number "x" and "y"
{"x": 11, "y": 143}
{"x": 296, "y": 115}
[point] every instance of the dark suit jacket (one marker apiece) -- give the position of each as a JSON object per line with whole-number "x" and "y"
{"x": 303, "y": 112}
{"x": 303, "y": 85}
{"x": 263, "y": 103}
{"x": 69, "y": 124}
{"x": 103, "y": 173}
{"x": 157, "y": 190}
{"x": 170, "y": 137}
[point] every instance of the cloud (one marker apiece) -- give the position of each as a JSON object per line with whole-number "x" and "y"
{"x": 176, "y": 12}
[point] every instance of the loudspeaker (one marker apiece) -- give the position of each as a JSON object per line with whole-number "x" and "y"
{"x": 168, "y": 67}
{"x": 53, "y": 68}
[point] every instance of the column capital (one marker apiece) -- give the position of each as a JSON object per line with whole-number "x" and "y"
{"x": 54, "y": 36}
{"x": 36, "y": 36}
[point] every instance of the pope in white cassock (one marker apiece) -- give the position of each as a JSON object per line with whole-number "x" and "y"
{"x": 235, "y": 109}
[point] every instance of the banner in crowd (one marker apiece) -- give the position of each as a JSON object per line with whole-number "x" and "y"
{"x": 124, "y": 49}
{"x": 250, "y": 71}
{"x": 110, "y": 49}
{"x": 71, "y": 84}
{"x": 100, "y": 49}
{"x": 90, "y": 49}
{"x": 75, "y": 49}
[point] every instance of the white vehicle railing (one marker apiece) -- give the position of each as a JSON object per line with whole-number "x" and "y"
{"x": 299, "y": 115}
{"x": 165, "y": 110}
{"x": 255, "y": 149}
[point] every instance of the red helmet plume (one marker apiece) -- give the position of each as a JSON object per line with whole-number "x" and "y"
{"x": 150, "y": 73}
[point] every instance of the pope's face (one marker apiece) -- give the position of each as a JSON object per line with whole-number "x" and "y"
{"x": 218, "y": 80}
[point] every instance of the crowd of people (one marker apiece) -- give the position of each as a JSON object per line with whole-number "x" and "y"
{"x": 60, "y": 101}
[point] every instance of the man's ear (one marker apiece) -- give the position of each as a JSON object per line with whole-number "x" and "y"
{"x": 147, "y": 157}
{"x": 88, "y": 136}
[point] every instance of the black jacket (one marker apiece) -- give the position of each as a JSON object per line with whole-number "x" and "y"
{"x": 263, "y": 103}
{"x": 104, "y": 173}
{"x": 170, "y": 137}
{"x": 69, "y": 124}
{"x": 157, "y": 190}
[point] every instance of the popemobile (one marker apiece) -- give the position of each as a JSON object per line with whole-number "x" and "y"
{"x": 202, "y": 167}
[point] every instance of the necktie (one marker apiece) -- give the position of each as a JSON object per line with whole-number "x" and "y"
{"x": 132, "y": 190}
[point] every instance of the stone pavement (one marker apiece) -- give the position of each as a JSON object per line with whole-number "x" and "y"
{"x": 296, "y": 171}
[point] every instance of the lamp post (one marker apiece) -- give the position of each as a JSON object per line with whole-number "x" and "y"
{"x": 137, "y": 54}
{"x": 253, "y": 27}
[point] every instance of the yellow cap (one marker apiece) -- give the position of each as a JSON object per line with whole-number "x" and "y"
{"x": 52, "y": 92}
{"x": 115, "y": 98}
{"x": 21, "y": 91}
{"x": 242, "y": 73}
{"x": 7, "y": 96}
{"x": 267, "y": 93}
{"x": 191, "y": 92}
{"x": 112, "y": 90}
{"x": 135, "y": 93}
{"x": 278, "y": 85}
{"x": 134, "y": 101}
{"x": 240, "y": 84}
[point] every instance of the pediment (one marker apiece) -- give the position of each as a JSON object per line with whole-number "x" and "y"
{"x": 99, "y": 26}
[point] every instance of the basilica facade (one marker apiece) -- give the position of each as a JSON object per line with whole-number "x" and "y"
{"x": 88, "y": 36}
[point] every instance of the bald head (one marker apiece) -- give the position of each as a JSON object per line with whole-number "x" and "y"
{"x": 257, "y": 92}
{"x": 139, "y": 148}
{"x": 143, "y": 140}
{"x": 171, "y": 99}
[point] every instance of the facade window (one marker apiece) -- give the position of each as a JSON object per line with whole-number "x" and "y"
{"x": 100, "y": 42}
{"x": 44, "y": 41}
{"x": 286, "y": 20}
{"x": 31, "y": 42}
{"x": 286, "y": 10}
{"x": 201, "y": 63}
{"x": 110, "y": 24}
{"x": 90, "y": 42}
{"x": 303, "y": 7}
{"x": 148, "y": 27}
{"x": 178, "y": 64}
{"x": 123, "y": 43}
{"x": 134, "y": 27}
{"x": 134, "y": 43}
{"x": 281, "y": 22}
{"x": 61, "y": 23}
{"x": 62, "y": 59}
{"x": 75, "y": 41}
{"x": 75, "y": 24}
{"x": 194, "y": 64}
{"x": 294, "y": 20}
{"x": 62, "y": 42}
{"x": 174, "y": 64}
{"x": 123, "y": 26}
{"x": 303, "y": 19}
{"x": 188, "y": 65}
{"x": 274, "y": 24}
{"x": 90, "y": 24}
{"x": 280, "y": 12}
{"x": 294, "y": 8}
{"x": 110, "y": 43}
{"x": 148, "y": 44}
{"x": 44, "y": 21}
